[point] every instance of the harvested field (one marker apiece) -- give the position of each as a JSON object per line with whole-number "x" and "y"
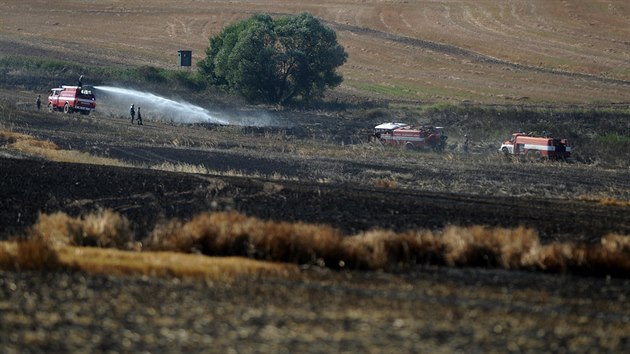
{"x": 484, "y": 51}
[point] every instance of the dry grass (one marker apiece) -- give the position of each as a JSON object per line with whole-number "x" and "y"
{"x": 13, "y": 137}
{"x": 235, "y": 234}
{"x": 28, "y": 255}
{"x": 53, "y": 240}
{"x": 48, "y": 150}
{"x": 181, "y": 167}
{"x": 386, "y": 183}
{"x": 605, "y": 200}
{"x": 201, "y": 169}
{"x": 476, "y": 245}
{"x": 100, "y": 229}
{"x": 615, "y": 202}
{"x": 117, "y": 262}
{"x": 39, "y": 255}
{"x": 381, "y": 249}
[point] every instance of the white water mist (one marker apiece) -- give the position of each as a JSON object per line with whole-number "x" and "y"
{"x": 116, "y": 100}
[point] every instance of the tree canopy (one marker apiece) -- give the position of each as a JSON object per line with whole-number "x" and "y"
{"x": 275, "y": 60}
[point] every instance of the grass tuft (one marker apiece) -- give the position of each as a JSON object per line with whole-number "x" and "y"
{"x": 57, "y": 229}
{"x": 221, "y": 234}
{"x": 171, "y": 236}
{"x": 234, "y": 234}
{"x": 101, "y": 229}
{"x": 36, "y": 255}
{"x": 481, "y": 246}
{"x": 181, "y": 167}
{"x": 386, "y": 183}
{"x": 7, "y": 255}
{"x": 105, "y": 229}
{"x": 381, "y": 249}
{"x": 48, "y": 150}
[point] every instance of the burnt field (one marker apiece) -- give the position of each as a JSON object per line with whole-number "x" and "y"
{"x": 161, "y": 171}
{"x": 433, "y": 310}
{"x": 283, "y": 177}
{"x": 547, "y": 271}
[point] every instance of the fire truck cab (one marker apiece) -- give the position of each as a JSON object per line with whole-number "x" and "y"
{"x": 536, "y": 146}
{"x": 404, "y": 135}
{"x": 72, "y": 98}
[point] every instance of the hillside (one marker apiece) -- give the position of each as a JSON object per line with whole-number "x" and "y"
{"x": 516, "y": 51}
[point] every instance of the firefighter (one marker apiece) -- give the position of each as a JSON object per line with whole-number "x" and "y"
{"x": 465, "y": 143}
{"x": 39, "y": 102}
{"x": 80, "y": 81}
{"x": 139, "y": 117}
{"x": 132, "y": 113}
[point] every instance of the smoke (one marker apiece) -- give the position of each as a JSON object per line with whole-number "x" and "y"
{"x": 116, "y": 101}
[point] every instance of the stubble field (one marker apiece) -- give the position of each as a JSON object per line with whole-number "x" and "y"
{"x": 571, "y": 52}
{"x": 318, "y": 169}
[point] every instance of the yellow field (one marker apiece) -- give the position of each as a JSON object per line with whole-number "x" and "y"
{"x": 523, "y": 51}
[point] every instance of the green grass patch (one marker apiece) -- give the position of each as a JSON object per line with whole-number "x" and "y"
{"x": 615, "y": 139}
{"x": 622, "y": 72}
{"x": 410, "y": 92}
{"x": 35, "y": 73}
{"x": 388, "y": 90}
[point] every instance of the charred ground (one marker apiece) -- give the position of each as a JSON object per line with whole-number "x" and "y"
{"x": 321, "y": 169}
{"x": 281, "y": 176}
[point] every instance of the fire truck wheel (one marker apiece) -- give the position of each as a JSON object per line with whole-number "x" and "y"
{"x": 66, "y": 108}
{"x": 50, "y": 108}
{"x": 409, "y": 147}
{"x": 505, "y": 151}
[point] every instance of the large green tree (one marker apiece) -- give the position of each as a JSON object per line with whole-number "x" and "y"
{"x": 275, "y": 60}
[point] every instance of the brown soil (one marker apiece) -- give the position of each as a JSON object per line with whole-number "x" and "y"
{"x": 486, "y": 51}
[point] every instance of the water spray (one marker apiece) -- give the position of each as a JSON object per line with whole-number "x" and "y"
{"x": 116, "y": 100}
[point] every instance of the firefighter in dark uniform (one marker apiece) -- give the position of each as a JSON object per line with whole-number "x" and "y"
{"x": 466, "y": 143}
{"x": 132, "y": 113}
{"x": 139, "y": 117}
{"x": 39, "y": 102}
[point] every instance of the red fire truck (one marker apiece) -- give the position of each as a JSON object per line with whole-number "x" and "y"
{"x": 72, "y": 98}
{"x": 536, "y": 146}
{"x": 404, "y": 135}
